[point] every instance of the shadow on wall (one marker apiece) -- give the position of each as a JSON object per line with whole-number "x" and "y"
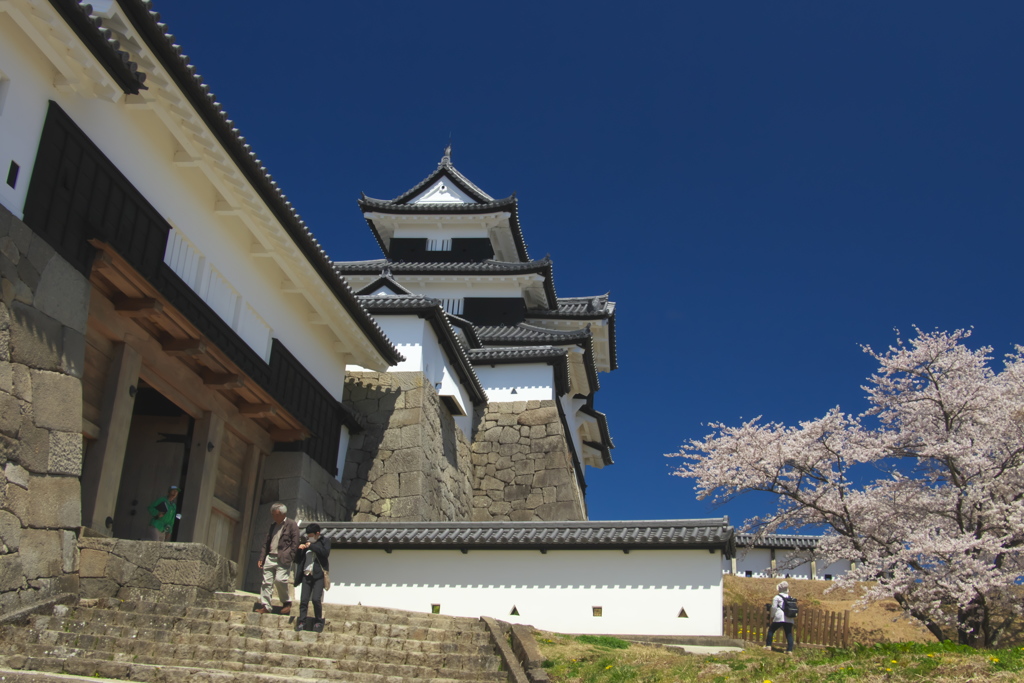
{"x": 378, "y": 405}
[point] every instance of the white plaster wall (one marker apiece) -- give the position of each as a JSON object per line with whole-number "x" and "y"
{"x": 26, "y": 76}
{"x": 456, "y": 290}
{"x": 342, "y": 452}
{"x": 142, "y": 149}
{"x": 640, "y": 593}
{"x": 570, "y": 406}
{"x": 531, "y": 382}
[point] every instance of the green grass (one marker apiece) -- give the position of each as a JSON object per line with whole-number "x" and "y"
{"x": 600, "y": 659}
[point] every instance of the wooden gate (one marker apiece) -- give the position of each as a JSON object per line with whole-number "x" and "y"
{"x": 813, "y": 627}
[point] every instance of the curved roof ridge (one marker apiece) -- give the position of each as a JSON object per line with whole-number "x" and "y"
{"x": 445, "y": 167}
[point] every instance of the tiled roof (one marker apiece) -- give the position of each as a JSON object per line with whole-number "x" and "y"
{"x": 104, "y": 47}
{"x": 468, "y": 328}
{"x": 584, "y": 308}
{"x": 701, "y": 534}
{"x": 530, "y": 334}
{"x": 171, "y": 57}
{"x": 385, "y": 280}
{"x": 602, "y": 423}
{"x": 375, "y": 266}
{"x": 489, "y": 267}
{"x": 386, "y": 206}
{"x": 789, "y": 542}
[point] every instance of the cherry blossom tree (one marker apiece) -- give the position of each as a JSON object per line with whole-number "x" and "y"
{"x": 924, "y": 491}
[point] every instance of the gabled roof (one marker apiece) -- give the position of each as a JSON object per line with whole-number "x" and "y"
{"x": 385, "y": 281}
{"x": 83, "y": 20}
{"x": 430, "y": 309}
{"x": 696, "y": 534}
{"x": 482, "y": 203}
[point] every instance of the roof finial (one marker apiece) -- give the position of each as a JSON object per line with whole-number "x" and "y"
{"x": 446, "y": 160}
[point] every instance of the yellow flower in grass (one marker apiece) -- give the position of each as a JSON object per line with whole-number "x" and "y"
{"x": 931, "y": 655}
{"x": 608, "y": 667}
{"x": 889, "y": 670}
{"x": 995, "y": 660}
{"x": 893, "y": 661}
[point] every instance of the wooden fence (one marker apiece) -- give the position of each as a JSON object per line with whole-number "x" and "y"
{"x": 813, "y": 627}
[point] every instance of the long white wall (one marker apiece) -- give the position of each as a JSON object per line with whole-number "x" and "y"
{"x": 141, "y": 147}
{"x": 642, "y": 592}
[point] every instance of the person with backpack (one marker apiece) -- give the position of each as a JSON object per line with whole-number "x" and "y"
{"x": 782, "y": 614}
{"x": 313, "y": 565}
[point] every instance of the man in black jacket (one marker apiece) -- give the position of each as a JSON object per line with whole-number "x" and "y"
{"x": 313, "y": 564}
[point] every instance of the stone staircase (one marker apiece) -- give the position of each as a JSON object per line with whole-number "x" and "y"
{"x": 224, "y": 641}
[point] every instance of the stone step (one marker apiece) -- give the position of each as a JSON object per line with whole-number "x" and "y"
{"x": 22, "y": 669}
{"x": 119, "y": 664}
{"x": 96, "y": 621}
{"x": 244, "y": 602}
{"x": 308, "y": 650}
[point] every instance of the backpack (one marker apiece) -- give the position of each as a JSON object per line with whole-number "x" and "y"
{"x": 789, "y": 607}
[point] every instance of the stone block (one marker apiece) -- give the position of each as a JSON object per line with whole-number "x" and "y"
{"x": 10, "y": 411}
{"x": 410, "y": 484}
{"x": 550, "y": 494}
{"x": 500, "y": 508}
{"x": 92, "y": 564}
{"x": 12, "y": 573}
{"x": 559, "y": 512}
{"x": 21, "y": 234}
{"x": 55, "y": 502}
{"x": 549, "y": 444}
{"x": 534, "y": 500}
{"x": 480, "y": 515}
{"x": 407, "y": 460}
{"x": 22, "y": 384}
{"x": 17, "y": 475}
{"x": 409, "y": 509}
{"x": 10, "y": 250}
{"x": 37, "y": 340}
{"x": 405, "y": 416}
{"x": 517, "y": 492}
{"x": 490, "y": 483}
{"x": 144, "y": 554}
{"x": 539, "y": 416}
{"x": 6, "y": 377}
{"x": 10, "y": 532}
{"x": 41, "y": 553}
{"x": 73, "y": 358}
{"x": 63, "y": 294}
{"x": 506, "y": 476}
{"x": 69, "y": 551}
{"x": 17, "y": 502}
{"x": 39, "y": 253}
{"x": 28, "y": 274}
{"x": 56, "y": 401}
{"x": 554, "y": 478}
{"x": 66, "y": 453}
{"x": 508, "y": 435}
{"x": 386, "y": 485}
{"x": 34, "y": 451}
{"x": 555, "y": 429}
{"x": 522, "y": 516}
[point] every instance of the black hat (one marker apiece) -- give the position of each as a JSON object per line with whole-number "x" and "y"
{"x": 312, "y": 528}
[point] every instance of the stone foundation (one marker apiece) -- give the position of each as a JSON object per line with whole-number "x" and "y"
{"x": 42, "y": 353}
{"x": 412, "y": 461}
{"x": 522, "y": 465}
{"x": 147, "y": 570}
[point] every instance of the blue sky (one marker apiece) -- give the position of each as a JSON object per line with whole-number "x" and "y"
{"x": 762, "y": 187}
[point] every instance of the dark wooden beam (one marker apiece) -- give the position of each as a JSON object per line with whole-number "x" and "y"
{"x": 137, "y": 308}
{"x": 184, "y": 347}
{"x": 222, "y": 379}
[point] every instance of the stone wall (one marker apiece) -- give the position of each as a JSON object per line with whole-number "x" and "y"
{"x": 412, "y": 461}
{"x": 42, "y": 353}
{"x": 522, "y": 465}
{"x": 144, "y": 570}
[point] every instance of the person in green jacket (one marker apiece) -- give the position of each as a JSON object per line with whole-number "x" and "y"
{"x": 163, "y": 512}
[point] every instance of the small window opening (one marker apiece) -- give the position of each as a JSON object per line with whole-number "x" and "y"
{"x": 514, "y": 612}
{"x": 683, "y": 614}
{"x": 12, "y": 174}
{"x": 598, "y": 611}
{"x": 435, "y": 609}
{"x": 828, "y": 577}
{"x": 748, "y": 573}
{"x": 436, "y": 244}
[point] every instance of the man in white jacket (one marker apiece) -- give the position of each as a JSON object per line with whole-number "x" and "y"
{"x": 779, "y": 618}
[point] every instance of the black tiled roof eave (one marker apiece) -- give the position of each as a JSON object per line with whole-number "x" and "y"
{"x": 524, "y": 334}
{"x": 780, "y": 541}
{"x": 374, "y": 267}
{"x": 713, "y": 534}
{"x": 90, "y": 31}
{"x": 430, "y": 310}
{"x": 602, "y": 423}
{"x": 468, "y": 328}
{"x": 561, "y": 313}
{"x": 154, "y": 33}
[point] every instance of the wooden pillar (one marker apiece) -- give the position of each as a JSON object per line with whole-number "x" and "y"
{"x": 201, "y": 478}
{"x": 814, "y": 567}
{"x": 101, "y": 469}
{"x": 732, "y": 562}
{"x": 775, "y": 572}
{"x": 243, "y": 539}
